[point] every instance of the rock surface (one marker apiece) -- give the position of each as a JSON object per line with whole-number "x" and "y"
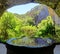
{"x": 31, "y": 42}
{"x": 9, "y": 3}
{"x": 41, "y": 11}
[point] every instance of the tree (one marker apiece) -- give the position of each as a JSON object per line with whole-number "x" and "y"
{"x": 7, "y": 21}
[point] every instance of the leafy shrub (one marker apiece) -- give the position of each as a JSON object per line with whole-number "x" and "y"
{"x": 46, "y": 27}
{"x": 28, "y": 31}
{"x": 9, "y": 26}
{"x": 5, "y": 23}
{"x": 28, "y": 20}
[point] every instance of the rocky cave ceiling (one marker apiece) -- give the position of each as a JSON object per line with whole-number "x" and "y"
{"x": 5, "y": 4}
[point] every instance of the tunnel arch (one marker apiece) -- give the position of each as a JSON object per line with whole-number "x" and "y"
{"x": 10, "y": 3}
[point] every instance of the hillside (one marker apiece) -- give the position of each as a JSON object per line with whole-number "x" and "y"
{"x": 39, "y": 13}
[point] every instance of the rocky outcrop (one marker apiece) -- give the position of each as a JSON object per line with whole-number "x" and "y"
{"x": 41, "y": 11}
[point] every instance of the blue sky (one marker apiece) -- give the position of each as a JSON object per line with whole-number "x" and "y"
{"x": 22, "y": 9}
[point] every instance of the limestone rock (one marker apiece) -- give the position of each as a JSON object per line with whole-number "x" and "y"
{"x": 41, "y": 11}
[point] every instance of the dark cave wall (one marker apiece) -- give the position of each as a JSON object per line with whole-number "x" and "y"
{"x": 4, "y": 4}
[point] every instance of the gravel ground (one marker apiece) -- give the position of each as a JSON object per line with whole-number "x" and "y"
{"x": 3, "y": 49}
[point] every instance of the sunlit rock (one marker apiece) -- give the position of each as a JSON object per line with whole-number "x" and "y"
{"x": 41, "y": 11}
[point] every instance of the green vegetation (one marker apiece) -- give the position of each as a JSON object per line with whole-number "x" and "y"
{"x": 13, "y": 27}
{"x": 57, "y": 29}
{"x": 29, "y": 30}
{"x": 58, "y": 9}
{"x": 9, "y": 26}
{"x": 46, "y": 27}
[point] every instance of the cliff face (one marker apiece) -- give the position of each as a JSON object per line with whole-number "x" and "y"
{"x": 4, "y": 4}
{"x": 54, "y": 4}
{"x": 40, "y": 12}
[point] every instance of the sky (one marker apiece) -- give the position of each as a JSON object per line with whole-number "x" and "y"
{"x": 22, "y": 9}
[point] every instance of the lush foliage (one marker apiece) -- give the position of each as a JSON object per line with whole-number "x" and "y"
{"x": 13, "y": 27}
{"x": 29, "y": 31}
{"x": 46, "y": 27}
{"x": 9, "y": 25}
